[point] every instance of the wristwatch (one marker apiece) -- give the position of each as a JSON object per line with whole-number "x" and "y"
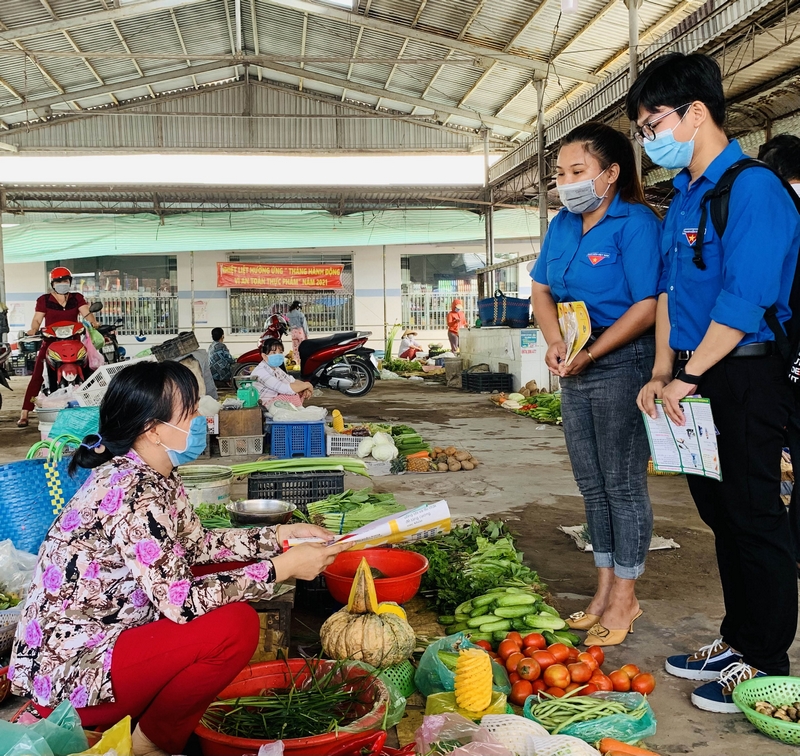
{"x": 688, "y": 377}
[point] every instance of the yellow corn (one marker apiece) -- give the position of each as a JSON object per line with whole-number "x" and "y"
{"x": 474, "y": 680}
{"x": 338, "y": 421}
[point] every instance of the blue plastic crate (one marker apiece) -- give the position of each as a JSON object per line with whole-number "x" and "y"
{"x": 298, "y": 440}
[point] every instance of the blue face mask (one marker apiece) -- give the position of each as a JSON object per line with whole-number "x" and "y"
{"x": 195, "y": 442}
{"x": 275, "y": 360}
{"x": 668, "y": 152}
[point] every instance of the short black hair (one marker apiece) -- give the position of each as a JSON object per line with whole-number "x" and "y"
{"x": 217, "y": 334}
{"x": 674, "y": 80}
{"x": 782, "y": 154}
{"x": 266, "y": 347}
{"x": 137, "y": 397}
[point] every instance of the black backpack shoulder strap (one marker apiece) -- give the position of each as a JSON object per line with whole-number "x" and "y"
{"x": 715, "y": 201}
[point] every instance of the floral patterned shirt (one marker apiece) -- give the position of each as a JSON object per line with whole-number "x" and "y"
{"x": 118, "y": 557}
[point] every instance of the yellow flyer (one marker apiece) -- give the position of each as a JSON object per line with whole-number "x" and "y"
{"x": 575, "y": 325}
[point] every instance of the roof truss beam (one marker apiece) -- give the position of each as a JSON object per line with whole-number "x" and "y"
{"x": 400, "y": 30}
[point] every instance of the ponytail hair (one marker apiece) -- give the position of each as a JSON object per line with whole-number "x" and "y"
{"x": 137, "y": 397}
{"x": 610, "y": 146}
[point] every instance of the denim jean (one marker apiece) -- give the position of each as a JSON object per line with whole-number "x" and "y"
{"x": 608, "y": 448}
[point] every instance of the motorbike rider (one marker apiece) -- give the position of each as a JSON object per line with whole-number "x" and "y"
{"x": 58, "y": 306}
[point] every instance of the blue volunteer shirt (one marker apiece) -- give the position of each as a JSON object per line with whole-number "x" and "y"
{"x": 748, "y": 270}
{"x": 611, "y": 267}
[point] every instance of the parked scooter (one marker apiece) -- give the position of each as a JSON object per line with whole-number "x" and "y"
{"x": 339, "y": 362}
{"x": 5, "y": 353}
{"x": 66, "y": 358}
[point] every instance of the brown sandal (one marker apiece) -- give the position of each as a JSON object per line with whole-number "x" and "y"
{"x": 22, "y": 423}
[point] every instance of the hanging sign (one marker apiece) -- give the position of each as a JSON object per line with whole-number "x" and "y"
{"x": 262, "y": 276}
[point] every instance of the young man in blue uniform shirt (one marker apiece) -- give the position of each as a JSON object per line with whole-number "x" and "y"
{"x": 712, "y": 340}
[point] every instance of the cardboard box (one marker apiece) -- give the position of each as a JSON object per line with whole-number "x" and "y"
{"x": 241, "y": 422}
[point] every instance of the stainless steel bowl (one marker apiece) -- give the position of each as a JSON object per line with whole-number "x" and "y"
{"x": 261, "y": 511}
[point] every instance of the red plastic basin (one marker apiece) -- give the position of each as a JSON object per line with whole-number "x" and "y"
{"x": 403, "y": 570}
{"x": 251, "y": 681}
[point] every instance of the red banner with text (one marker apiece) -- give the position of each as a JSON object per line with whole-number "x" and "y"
{"x": 268, "y": 276}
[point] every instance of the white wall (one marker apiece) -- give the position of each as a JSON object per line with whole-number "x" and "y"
{"x": 377, "y": 284}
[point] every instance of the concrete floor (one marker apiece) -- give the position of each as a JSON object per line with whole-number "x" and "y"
{"x": 525, "y": 478}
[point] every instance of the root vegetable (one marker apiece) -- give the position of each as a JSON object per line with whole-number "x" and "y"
{"x": 441, "y": 457}
{"x": 450, "y": 451}
{"x": 467, "y": 465}
{"x": 454, "y": 466}
{"x": 443, "y": 466}
{"x": 462, "y": 455}
{"x": 437, "y": 450}
{"x": 474, "y": 461}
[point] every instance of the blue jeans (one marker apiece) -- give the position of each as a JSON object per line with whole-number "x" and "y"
{"x": 608, "y": 448}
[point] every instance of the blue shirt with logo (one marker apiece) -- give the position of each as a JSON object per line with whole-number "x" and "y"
{"x": 611, "y": 267}
{"x": 747, "y": 271}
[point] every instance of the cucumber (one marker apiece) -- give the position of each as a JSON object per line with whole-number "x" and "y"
{"x": 517, "y": 599}
{"x": 512, "y": 612}
{"x": 570, "y": 639}
{"x": 500, "y": 635}
{"x": 479, "y": 610}
{"x": 447, "y": 620}
{"x": 464, "y": 608}
{"x": 496, "y": 625}
{"x": 449, "y": 659}
{"x": 482, "y": 620}
{"x": 475, "y": 637}
{"x": 459, "y": 627}
{"x": 551, "y": 637}
{"x": 549, "y": 609}
{"x": 461, "y": 617}
{"x": 483, "y": 600}
{"x": 544, "y": 622}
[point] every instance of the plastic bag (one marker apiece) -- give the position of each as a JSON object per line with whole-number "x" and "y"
{"x": 275, "y": 748}
{"x": 441, "y": 703}
{"x": 62, "y": 730}
{"x": 433, "y": 677}
{"x": 395, "y": 705}
{"x": 16, "y": 568}
{"x": 19, "y": 740}
{"x": 622, "y": 727}
{"x": 115, "y": 741}
{"x": 453, "y": 729}
{"x": 57, "y": 400}
{"x": 93, "y": 357}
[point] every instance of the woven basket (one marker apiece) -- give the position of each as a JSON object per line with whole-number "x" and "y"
{"x": 402, "y": 675}
{"x": 5, "y": 684}
{"x": 9, "y": 619}
{"x": 778, "y": 691}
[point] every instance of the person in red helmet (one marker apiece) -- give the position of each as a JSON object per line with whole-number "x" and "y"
{"x": 455, "y": 320}
{"x": 59, "y": 305}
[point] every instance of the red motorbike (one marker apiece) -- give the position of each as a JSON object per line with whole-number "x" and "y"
{"x": 66, "y": 355}
{"x": 339, "y": 362}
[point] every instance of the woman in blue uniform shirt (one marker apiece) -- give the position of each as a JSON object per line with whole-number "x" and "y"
{"x": 602, "y": 249}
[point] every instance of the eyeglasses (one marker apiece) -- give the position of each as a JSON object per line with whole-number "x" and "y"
{"x": 647, "y": 133}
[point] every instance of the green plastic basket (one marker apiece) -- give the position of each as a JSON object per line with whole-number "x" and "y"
{"x": 402, "y": 675}
{"x": 778, "y": 691}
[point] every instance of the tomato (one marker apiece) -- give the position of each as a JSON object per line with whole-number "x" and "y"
{"x": 601, "y": 681}
{"x": 529, "y": 669}
{"x": 513, "y": 660}
{"x": 643, "y": 683}
{"x": 545, "y": 658}
{"x": 556, "y": 692}
{"x": 589, "y": 660}
{"x": 520, "y": 690}
{"x": 493, "y": 654}
{"x": 631, "y": 670}
{"x": 571, "y": 687}
{"x": 513, "y": 677}
{"x": 556, "y": 676}
{"x": 588, "y": 689}
{"x": 620, "y": 681}
{"x": 516, "y": 638}
{"x": 539, "y": 685}
{"x": 485, "y": 645}
{"x": 506, "y": 648}
{"x": 535, "y": 641}
{"x": 580, "y": 672}
{"x": 574, "y": 653}
{"x": 598, "y": 654}
{"x": 560, "y": 651}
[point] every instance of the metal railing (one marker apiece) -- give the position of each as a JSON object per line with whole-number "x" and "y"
{"x": 149, "y": 314}
{"x": 427, "y": 311}
{"x": 326, "y": 311}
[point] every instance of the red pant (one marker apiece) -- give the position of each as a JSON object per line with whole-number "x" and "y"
{"x": 36, "y": 381}
{"x": 165, "y": 674}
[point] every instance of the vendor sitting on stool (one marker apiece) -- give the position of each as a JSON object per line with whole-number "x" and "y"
{"x": 409, "y": 347}
{"x": 116, "y": 620}
{"x": 273, "y": 382}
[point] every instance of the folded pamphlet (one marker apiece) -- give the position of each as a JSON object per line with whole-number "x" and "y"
{"x": 427, "y": 521}
{"x": 575, "y": 325}
{"x": 690, "y": 448}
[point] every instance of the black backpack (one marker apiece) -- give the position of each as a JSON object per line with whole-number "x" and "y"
{"x": 715, "y": 201}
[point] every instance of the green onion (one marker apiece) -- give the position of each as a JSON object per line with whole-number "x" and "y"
{"x": 303, "y": 464}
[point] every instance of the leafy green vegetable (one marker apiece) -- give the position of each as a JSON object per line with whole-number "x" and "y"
{"x": 546, "y": 408}
{"x": 347, "y": 511}
{"x": 213, "y": 516}
{"x": 469, "y": 561}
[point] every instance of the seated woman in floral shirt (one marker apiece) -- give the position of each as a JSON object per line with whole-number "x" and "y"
{"x": 116, "y": 619}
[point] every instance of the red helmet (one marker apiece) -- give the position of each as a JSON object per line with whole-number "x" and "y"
{"x": 57, "y": 273}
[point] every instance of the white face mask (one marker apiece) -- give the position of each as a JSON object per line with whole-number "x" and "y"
{"x": 796, "y": 188}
